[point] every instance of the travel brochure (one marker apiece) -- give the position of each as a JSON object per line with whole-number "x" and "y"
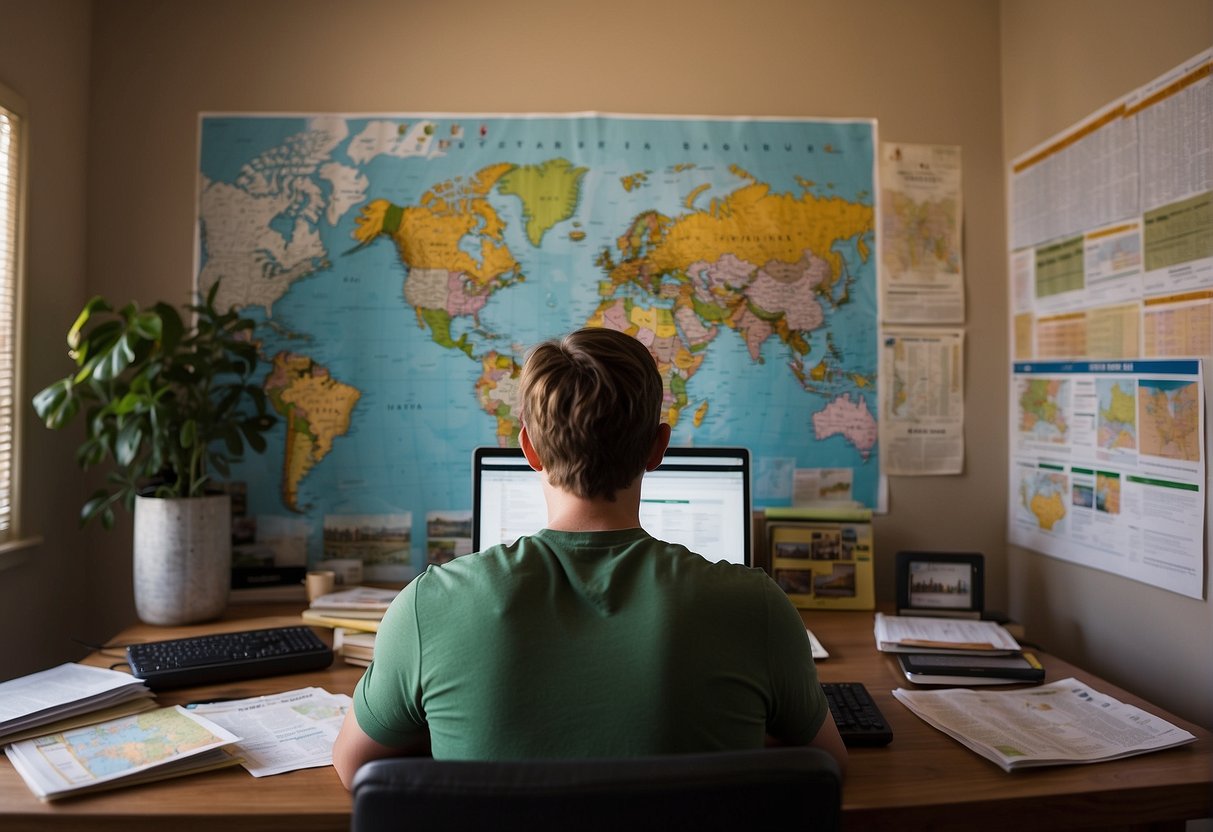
{"x": 1054, "y": 724}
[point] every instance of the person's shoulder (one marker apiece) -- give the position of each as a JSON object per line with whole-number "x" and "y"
{"x": 688, "y": 562}
{"x": 487, "y": 564}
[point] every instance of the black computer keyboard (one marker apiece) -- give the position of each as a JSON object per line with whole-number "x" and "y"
{"x": 224, "y": 657}
{"x": 858, "y": 719}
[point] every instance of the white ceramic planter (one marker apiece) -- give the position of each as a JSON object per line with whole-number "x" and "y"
{"x": 183, "y": 558}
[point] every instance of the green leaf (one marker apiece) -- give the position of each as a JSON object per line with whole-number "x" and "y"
{"x": 101, "y": 503}
{"x": 189, "y": 433}
{"x": 49, "y": 402}
{"x": 96, "y": 304}
{"x": 147, "y": 325}
{"x": 128, "y": 442}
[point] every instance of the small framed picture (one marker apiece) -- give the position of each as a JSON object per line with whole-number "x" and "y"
{"x": 940, "y": 584}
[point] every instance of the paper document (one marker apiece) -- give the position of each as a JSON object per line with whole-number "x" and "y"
{"x": 1062, "y": 722}
{"x": 64, "y": 691}
{"x": 819, "y": 651}
{"x": 282, "y": 732}
{"x": 166, "y": 742}
{"x": 922, "y": 387}
{"x": 365, "y": 598}
{"x": 920, "y": 634}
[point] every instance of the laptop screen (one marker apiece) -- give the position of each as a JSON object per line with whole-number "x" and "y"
{"x": 699, "y": 497}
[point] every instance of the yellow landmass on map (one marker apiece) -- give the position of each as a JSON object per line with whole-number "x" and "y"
{"x": 689, "y": 201}
{"x": 1049, "y": 509}
{"x": 316, "y": 409}
{"x": 757, "y": 226}
{"x": 1122, "y": 408}
{"x": 549, "y": 193}
{"x": 429, "y": 235}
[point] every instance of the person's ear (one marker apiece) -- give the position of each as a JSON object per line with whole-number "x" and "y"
{"x": 528, "y": 450}
{"x": 660, "y": 443}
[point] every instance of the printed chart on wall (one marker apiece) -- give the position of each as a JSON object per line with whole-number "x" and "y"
{"x": 1111, "y": 223}
{"x": 399, "y": 266}
{"x": 1108, "y": 467}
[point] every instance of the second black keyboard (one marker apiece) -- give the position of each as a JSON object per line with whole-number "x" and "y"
{"x": 858, "y": 719}
{"x": 225, "y": 657}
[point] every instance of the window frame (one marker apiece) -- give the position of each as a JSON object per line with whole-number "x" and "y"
{"x": 12, "y": 541}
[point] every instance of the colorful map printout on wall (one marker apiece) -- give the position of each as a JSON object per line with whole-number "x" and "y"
{"x": 1109, "y": 466}
{"x": 399, "y": 266}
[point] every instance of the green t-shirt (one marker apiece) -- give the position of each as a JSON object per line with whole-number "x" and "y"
{"x": 589, "y": 644}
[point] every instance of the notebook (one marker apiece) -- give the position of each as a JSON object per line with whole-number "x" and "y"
{"x": 699, "y": 497}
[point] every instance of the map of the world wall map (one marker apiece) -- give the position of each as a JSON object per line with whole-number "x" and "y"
{"x": 399, "y": 266}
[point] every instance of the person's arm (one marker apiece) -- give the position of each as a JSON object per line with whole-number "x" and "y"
{"x": 829, "y": 740}
{"x": 387, "y": 698}
{"x": 353, "y": 747}
{"x": 800, "y": 700}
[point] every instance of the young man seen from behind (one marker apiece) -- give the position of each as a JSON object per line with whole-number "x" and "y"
{"x": 589, "y": 638}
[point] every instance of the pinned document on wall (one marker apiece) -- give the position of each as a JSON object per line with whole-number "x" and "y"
{"x": 922, "y": 401}
{"x": 822, "y": 557}
{"x": 921, "y": 219}
{"x": 1108, "y": 467}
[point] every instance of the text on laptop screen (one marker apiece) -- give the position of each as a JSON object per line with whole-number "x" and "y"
{"x": 699, "y": 497}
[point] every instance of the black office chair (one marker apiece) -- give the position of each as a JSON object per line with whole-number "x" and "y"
{"x": 784, "y": 788}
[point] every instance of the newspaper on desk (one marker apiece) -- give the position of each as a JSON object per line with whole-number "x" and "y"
{"x": 1054, "y": 724}
{"x": 283, "y": 731}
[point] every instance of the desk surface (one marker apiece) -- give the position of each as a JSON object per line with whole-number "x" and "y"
{"x": 923, "y": 780}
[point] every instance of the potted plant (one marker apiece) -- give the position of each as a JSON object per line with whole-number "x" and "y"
{"x": 167, "y": 407}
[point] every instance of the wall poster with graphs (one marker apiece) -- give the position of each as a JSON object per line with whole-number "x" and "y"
{"x": 1111, "y": 305}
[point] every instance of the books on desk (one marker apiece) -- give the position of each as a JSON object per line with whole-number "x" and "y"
{"x": 359, "y": 602}
{"x": 354, "y": 615}
{"x": 67, "y": 696}
{"x": 359, "y": 608}
{"x": 141, "y": 748}
{"x": 1055, "y": 724}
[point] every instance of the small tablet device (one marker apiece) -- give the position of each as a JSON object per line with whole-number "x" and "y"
{"x": 930, "y": 669}
{"x": 940, "y": 584}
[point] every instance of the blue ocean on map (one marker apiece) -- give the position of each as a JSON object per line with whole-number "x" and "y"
{"x": 281, "y": 210}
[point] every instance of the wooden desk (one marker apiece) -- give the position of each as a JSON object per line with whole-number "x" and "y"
{"x": 922, "y": 781}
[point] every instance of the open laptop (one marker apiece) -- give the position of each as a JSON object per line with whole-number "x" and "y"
{"x": 699, "y": 497}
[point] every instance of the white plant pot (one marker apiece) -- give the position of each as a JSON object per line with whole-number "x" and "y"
{"x": 183, "y": 558}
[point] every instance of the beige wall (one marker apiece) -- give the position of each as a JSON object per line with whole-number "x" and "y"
{"x": 929, "y": 71}
{"x": 44, "y": 56}
{"x": 154, "y": 71}
{"x": 1061, "y": 61}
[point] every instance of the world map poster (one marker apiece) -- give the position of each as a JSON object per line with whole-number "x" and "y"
{"x": 399, "y": 267}
{"x": 1108, "y": 467}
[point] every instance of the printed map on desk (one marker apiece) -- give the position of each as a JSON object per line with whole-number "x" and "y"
{"x": 399, "y": 266}
{"x": 133, "y": 749}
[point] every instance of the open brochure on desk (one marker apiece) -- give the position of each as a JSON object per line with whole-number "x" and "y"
{"x": 154, "y": 745}
{"x": 283, "y": 731}
{"x": 956, "y": 636}
{"x": 1059, "y": 723}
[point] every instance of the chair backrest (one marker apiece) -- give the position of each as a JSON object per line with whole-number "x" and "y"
{"x": 793, "y": 788}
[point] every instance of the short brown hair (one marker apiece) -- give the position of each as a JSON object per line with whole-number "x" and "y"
{"x": 591, "y": 403}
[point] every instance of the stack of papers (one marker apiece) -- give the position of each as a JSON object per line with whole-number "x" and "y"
{"x": 284, "y": 731}
{"x": 67, "y": 696}
{"x": 957, "y": 636}
{"x": 354, "y": 615}
{"x": 1055, "y": 724}
{"x": 154, "y": 745}
{"x": 354, "y": 647}
{"x": 360, "y": 608}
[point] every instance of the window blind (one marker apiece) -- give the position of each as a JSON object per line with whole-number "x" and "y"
{"x": 11, "y": 148}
